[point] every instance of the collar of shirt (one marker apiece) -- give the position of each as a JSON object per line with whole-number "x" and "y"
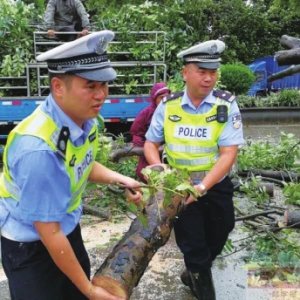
{"x": 77, "y": 134}
{"x": 186, "y": 101}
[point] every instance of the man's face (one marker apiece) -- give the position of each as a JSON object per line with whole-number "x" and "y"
{"x": 81, "y": 99}
{"x": 199, "y": 82}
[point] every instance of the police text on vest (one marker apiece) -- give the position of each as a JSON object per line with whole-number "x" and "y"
{"x": 193, "y": 132}
{"x": 81, "y": 167}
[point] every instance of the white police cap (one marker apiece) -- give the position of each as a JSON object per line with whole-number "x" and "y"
{"x": 206, "y": 55}
{"x": 85, "y": 57}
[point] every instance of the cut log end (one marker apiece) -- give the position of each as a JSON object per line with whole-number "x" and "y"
{"x": 111, "y": 285}
{"x": 292, "y": 218}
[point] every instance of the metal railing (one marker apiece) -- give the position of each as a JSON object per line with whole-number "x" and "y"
{"x": 125, "y": 60}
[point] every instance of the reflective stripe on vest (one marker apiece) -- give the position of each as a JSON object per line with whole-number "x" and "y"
{"x": 191, "y": 140}
{"x": 78, "y": 162}
{"x": 191, "y": 149}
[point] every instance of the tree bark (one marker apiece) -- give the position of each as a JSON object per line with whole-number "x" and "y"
{"x": 291, "y": 56}
{"x": 281, "y": 175}
{"x": 292, "y": 218}
{"x": 91, "y": 210}
{"x": 128, "y": 150}
{"x": 261, "y": 213}
{"x": 287, "y": 72}
{"x": 289, "y": 42}
{"x": 288, "y": 57}
{"x": 268, "y": 186}
{"x": 123, "y": 268}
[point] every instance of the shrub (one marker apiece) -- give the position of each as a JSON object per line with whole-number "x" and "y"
{"x": 237, "y": 78}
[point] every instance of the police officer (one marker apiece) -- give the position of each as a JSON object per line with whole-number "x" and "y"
{"x": 48, "y": 159}
{"x": 201, "y": 128}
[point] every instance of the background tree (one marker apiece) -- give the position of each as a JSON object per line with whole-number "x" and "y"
{"x": 250, "y": 29}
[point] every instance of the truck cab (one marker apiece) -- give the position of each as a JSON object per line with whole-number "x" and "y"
{"x": 263, "y": 68}
{"x": 259, "y": 87}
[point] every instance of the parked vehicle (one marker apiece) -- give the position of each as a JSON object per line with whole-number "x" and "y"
{"x": 137, "y": 72}
{"x": 263, "y": 68}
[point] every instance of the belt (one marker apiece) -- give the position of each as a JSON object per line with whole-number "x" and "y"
{"x": 198, "y": 175}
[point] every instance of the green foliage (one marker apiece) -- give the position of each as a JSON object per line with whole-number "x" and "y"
{"x": 170, "y": 181}
{"x": 254, "y": 191}
{"x": 270, "y": 156}
{"x": 16, "y": 37}
{"x": 252, "y": 33}
{"x": 237, "y": 78}
{"x": 289, "y": 98}
{"x": 276, "y": 255}
{"x": 292, "y": 192}
{"x": 247, "y": 101}
{"x": 228, "y": 248}
{"x": 127, "y": 166}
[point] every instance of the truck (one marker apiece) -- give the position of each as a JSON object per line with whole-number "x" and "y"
{"x": 128, "y": 94}
{"x": 263, "y": 68}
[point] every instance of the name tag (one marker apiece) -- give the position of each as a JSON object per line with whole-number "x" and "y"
{"x": 193, "y": 132}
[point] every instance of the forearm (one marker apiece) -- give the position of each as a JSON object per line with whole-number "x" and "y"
{"x": 63, "y": 255}
{"x": 221, "y": 168}
{"x": 101, "y": 174}
{"x": 151, "y": 152}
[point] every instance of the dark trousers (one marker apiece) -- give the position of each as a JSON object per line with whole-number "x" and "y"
{"x": 69, "y": 28}
{"x": 202, "y": 228}
{"x": 33, "y": 275}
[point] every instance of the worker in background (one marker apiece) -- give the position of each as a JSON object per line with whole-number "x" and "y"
{"x": 142, "y": 122}
{"x": 48, "y": 159}
{"x": 66, "y": 16}
{"x": 202, "y": 129}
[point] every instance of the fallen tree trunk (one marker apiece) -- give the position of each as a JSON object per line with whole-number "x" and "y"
{"x": 291, "y": 56}
{"x": 288, "y": 57}
{"x": 281, "y": 175}
{"x": 287, "y": 72}
{"x": 268, "y": 186}
{"x": 289, "y": 42}
{"x": 292, "y": 218}
{"x": 123, "y": 268}
{"x": 91, "y": 210}
{"x": 129, "y": 150}
{"x": 261, "y": 213}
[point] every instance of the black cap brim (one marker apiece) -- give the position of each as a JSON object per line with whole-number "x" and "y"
{"x": 100, "y": 75}
{"x": 209, "y": 65}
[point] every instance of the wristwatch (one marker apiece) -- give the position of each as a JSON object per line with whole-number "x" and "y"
{"x": 203, "y": 189}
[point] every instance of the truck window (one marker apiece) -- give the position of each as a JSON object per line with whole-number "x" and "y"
{"x": 260, "y": 76}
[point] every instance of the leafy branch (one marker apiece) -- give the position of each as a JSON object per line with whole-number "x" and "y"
{"x": 171, "y": 182}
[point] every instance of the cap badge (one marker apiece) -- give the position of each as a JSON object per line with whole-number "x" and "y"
{"x": 212, "y": 49}
{"x": 101, "y": 45}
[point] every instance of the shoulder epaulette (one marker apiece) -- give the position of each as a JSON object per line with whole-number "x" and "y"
{"x": 224, "y": 95}
{"x": 172, "y": 96}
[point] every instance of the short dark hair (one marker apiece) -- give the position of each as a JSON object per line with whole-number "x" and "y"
{"x": 65, "y": 77}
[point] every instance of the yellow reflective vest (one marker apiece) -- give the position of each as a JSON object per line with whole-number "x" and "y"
{"x": 78, "y": 160}
{"x": 191, "y": 140}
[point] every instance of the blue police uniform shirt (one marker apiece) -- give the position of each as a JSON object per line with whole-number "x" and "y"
{"x": 231, "y": 135}
{"x": 44, "y": 185}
